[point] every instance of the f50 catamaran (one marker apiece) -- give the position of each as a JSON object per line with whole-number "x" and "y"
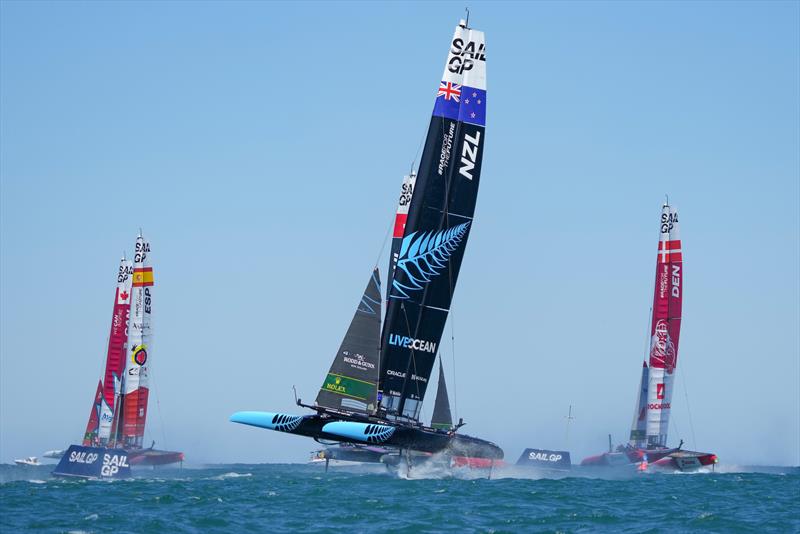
{"x": 648, "y": 438}
{"x": 374, "y": 390}
{"x": 113, "y": 440}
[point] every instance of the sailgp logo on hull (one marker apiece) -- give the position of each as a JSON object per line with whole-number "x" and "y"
{"x": 411, "y": 343}
{"x": 423, "y": 255}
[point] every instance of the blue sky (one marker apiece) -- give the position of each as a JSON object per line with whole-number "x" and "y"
{"x": 261, "y": 147}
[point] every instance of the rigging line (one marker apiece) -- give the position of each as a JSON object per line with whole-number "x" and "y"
{"x": 453, "y": 353}
{"x": 412, "y": 363}
{"x": 675, "y": 425}
{"x": 688, "y": 410}
{"x": 158, "y": 409}
{"x": 647, "y": 336}
{"x": 383, "y": 247}
{"x": 421, "y": 143}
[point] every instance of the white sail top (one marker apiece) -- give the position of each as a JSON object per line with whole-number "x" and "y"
{"x": 466, "y": 61}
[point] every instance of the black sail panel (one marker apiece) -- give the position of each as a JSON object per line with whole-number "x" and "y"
{"x": 442, "y": 418}
{"x": 351, "y": 384}
{"x": 437, "y": 228}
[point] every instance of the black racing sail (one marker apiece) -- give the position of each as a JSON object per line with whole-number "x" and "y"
{"x": 352, "y": 382}
{"x": 442, "y": 419}
{"x": 436, "y": 229}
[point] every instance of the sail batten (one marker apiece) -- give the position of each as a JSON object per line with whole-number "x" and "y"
{"x": 436, "y": 228}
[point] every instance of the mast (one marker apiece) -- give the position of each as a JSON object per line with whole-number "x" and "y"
{"x": 115, "y": 355}
{"x": 437, "y": 228}
{"x": 352, "y": 382}
{"x": 136, "y": 389}
{"x": 665, "y": 327}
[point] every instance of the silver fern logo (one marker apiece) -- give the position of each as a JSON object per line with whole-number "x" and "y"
{"x": 424, "y": 255}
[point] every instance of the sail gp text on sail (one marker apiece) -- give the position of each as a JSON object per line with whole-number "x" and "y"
{"x": 411, "y": 343}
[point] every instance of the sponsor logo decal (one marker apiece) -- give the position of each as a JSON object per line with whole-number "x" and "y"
{"x": 348, "y": 386}
{"x": 286, "y": 423}
{"x": 464, "y": 55}
{"x": 544, "y": 457}
{"x": 139, "y": 354}
{"x": 660, "y": 391}
{"x": 447, "y": 146}
{"x": 358, "y": 361}
{"x": 411, "y": 343}
{"x": 399, "y": 374}
{"x": 406, "y": 192}
{"x": 124, "y": 272}
{"x": 662, "y": 350}
{"x": 112, "y": 463}
{"x": 83, "y": 457}
{"x": 659, "y": 406}
{"x": 668, "y": 221}
{"x": 422, "y": 257}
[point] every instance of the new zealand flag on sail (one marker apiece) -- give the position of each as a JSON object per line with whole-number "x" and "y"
{"x": 462, "y": 103}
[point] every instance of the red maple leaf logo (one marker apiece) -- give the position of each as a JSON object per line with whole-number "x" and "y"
{"x": 124, "y": 295}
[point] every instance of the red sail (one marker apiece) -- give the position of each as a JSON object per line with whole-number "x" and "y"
{"x": 135, "y": 415}
{"x": 90, "y": 436}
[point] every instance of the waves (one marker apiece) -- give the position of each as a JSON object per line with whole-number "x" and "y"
{"x": 268, "y": 498}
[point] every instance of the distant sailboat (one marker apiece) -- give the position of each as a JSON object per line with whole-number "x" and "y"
{"x": 374, "y": 390}
{"x": 648, "y": 437}
{"x": 114, "y": 434}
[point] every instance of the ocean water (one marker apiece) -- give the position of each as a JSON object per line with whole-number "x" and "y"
{"x": 275, "y": 498}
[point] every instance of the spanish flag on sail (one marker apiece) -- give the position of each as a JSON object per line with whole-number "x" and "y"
{"x": 143, "y": 277}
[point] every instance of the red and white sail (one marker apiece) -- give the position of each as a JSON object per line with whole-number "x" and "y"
{"x": 115, "y": 356}
{"x": 135, "y": 382}
{"x": 406, "y": 192}
{"x": 665, "y": 328}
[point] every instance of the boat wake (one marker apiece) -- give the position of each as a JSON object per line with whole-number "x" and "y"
{"x": 231, "y": 474}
